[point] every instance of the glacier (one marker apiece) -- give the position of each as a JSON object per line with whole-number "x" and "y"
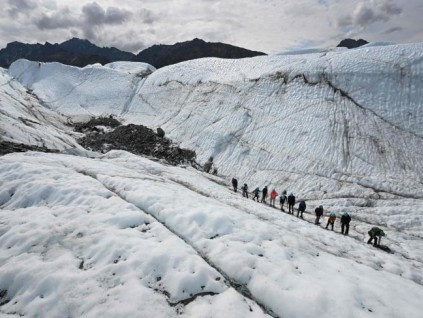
{"x": 338, "y": 127}
{"x": 316, "y": 123}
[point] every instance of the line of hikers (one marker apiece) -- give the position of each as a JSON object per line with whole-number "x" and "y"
{"x": 375, "y": 233}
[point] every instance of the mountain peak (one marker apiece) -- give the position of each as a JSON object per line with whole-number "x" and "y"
{"x": 351, "y": 43}
{"x": 163, "y": 55}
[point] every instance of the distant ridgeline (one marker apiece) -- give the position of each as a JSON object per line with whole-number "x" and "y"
{"x": 80, "y": 53}
{"x": 351, "y": 43}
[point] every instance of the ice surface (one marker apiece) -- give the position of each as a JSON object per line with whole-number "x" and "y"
{"x": 123, "y": 236}
{"x": 23, "y": 119}
{"x": 324, "y": 123}
{"x": 342, "y": 128}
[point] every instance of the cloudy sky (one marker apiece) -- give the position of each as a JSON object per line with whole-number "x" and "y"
{"x": 263, "y": 25}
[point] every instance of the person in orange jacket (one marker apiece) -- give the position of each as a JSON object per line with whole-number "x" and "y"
{"x": 331, "y": 220}
{"x": 273, "y": 196}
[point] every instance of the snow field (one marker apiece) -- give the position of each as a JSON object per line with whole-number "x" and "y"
{"x": 69, "y": 247}
{"x": 342, "y": 128}
{"x": 291, "y": 267}
{"x": 244, "y": 256}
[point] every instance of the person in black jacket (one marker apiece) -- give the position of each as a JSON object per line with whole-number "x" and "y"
{"x": 345, "y": 223}
{"x": 291, "y": 203}
{"x": 245, "y": 190}
{"x": 319, "y": 213}
{"x": 301, "y": 208}
{"x": 235, "y": 183}
{"x": 375, "y": 233}
{"x": 264, "y": 195}
{"x": 282, "y": 200}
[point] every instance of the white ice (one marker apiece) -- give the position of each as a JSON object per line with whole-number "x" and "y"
{"x": 338, "y": 127}
{"x": 123, "y": 236}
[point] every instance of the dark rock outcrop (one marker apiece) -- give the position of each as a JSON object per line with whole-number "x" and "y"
{"x": 351, "y": 43}
{"x": 163, "y": 55}
{"x": 79, "y": 46}
{"x": 95, "y": 122}
{"x": 74, "y": 52}
{"x": 9, "y": 147}
{"x": 160, "y": 132}
{"x": 137, "y": 139}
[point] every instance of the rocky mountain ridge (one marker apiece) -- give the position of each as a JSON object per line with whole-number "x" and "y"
{"x": 79, "y": 52}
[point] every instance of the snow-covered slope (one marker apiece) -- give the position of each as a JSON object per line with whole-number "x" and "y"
{"x": 335, "y": 123}
{"x": 122, "y": 236}
{"x": 23, "y": 119}
{"x": 83, "y": 92}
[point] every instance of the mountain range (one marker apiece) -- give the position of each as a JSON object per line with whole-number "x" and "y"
{"x": 79, "y": 52}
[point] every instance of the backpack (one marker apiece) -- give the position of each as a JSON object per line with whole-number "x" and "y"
{"x": 302, "y": 205}
{"x": 345, "y": 218}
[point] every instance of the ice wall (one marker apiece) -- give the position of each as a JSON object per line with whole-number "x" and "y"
{"x": 320, "y": 123}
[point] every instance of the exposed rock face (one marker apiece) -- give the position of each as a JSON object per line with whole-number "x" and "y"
{"x": 95, "y": 123}
{"x": 160, "y": 132}
{"x": 104, "y": 134}
{"x": 351, "y": 43}
{"x": 163, "y": 55}
{"x": 79, "y": 52}
{"x": 9, "y": 147}
{"x": 49, "y": 53}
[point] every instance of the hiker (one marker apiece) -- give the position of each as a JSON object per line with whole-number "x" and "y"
{"x": 207, "y": 166}
{"x": 273, "y": 196}
{"x": 256, "y": 194}
{"x": 345, "y": 223}
{"x": 235, "y": 184}
{"x": 301, "y": 208}
{"x": 245, "y": 190}
{"x": 319, "y": 213}
{"x": 331, "y": 220}
{"x": 291, "y": 203}
{"x": 374, "y": 233}
{"x": 264, "y": 195}
{"x": 214, "y": 171}
{"x": 282, "y": 200}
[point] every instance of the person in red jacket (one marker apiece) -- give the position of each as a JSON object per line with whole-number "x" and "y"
{"x": 273, "y": 196}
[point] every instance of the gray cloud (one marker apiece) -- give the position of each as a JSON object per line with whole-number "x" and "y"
{"x": 147, "y": 16}
{"x": 94, "y": 14}
{"x": 369, "y": 12}
{"x": 392, "y": 30}
{"x": 344, "y": 21}
{"x": 390, "y": 8}
{"x": 263, "y": 25}
{"x": 20, "y": 6}
{"x": 364, "y": 15}
{"x": 94, "y": 18}
{"x": 60, "y": 20}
